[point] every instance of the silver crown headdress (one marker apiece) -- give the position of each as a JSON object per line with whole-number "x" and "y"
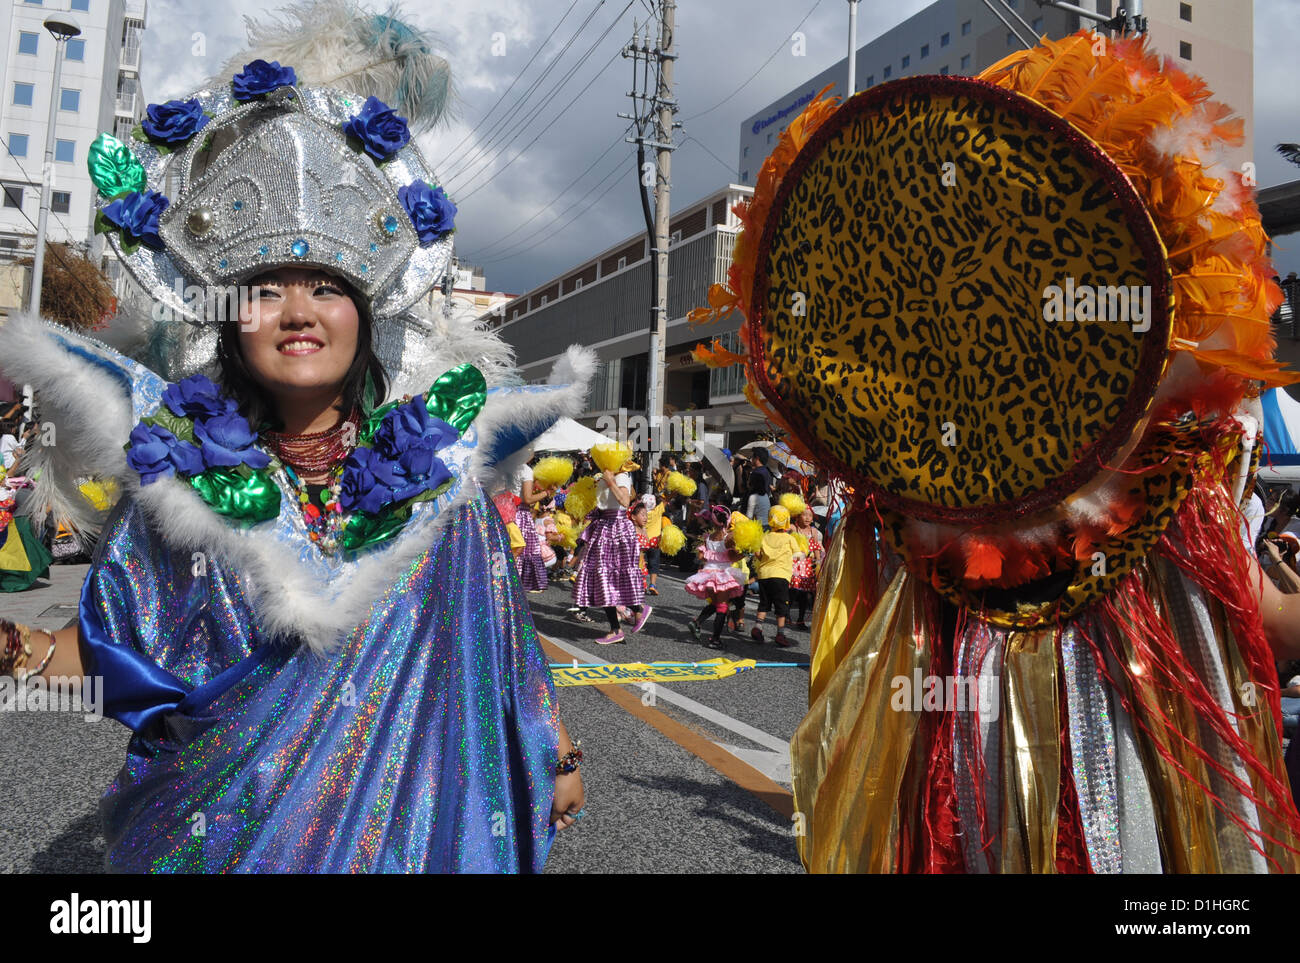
{"x": 261, "y": 169}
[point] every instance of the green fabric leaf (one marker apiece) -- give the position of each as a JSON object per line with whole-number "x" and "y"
{"x": 182, "y": 428}
{"x": 250, "y": 500}
{"x": 458, "y": 396}
{"x": 113, "y": 169}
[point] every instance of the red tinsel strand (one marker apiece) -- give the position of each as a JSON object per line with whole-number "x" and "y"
{"x": 1140, "y": 610}
{"x": 940, "y": 824}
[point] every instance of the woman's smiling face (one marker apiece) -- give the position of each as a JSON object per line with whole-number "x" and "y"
{"x": 298, "y": 332}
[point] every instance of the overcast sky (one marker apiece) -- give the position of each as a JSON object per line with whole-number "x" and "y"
{"x": 720, "y": 44}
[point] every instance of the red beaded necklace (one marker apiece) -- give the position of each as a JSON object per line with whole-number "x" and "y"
{"x": 318, "y": 453}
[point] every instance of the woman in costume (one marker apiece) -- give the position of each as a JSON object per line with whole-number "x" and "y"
{"x": 609, "y": 574}
{"x": 23, "y": 558}
{"x": 303, "y": 605}
{"x": 803, "y": 585}
{"x": 532, "y": 567}
{"x": 1039, "y": 643}
{"x": 718, "y": 583}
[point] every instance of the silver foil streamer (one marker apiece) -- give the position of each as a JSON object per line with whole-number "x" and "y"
{"x": 1092, "y": 753}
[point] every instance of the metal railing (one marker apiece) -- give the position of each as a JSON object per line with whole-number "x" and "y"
{"x": 126, "y": 105}
{"x": 1286, "y": 319}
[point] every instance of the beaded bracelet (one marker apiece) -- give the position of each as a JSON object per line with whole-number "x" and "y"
{"x": 45, "y": 662}
{"x": 570, "y": 761}
{"x": 17, "y": 646}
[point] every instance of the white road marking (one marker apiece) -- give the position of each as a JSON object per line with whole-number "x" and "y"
{"x": 775, "y": 763}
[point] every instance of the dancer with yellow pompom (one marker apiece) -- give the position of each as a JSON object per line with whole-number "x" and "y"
{"x": 775, "y": 558}
{"x": 609, "y": 575}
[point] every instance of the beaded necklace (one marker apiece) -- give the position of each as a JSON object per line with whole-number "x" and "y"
{"x": 315, "y": 454}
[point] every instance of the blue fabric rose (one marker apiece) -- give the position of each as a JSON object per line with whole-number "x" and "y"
{"x": 410, "y": 424}
{"x": 174, "y": 122}
{"x": 197, "y": 397}
{"x": 155, "y": 452}
{"x": 137, "y": 216}
{"x": 259, "y": 78}
{"x": 226, "y": 440}
{"x": 430, "y": 209}
{"x": 360, "y": 490}
{"x": 381, "y": 131}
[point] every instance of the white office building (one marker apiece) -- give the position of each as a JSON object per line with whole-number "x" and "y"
{"x": 99, "y": 91}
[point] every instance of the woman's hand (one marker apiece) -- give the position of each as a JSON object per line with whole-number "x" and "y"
{"x": 569, "y": 799}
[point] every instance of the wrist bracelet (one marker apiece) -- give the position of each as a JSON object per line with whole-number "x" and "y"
{"x": 570, "y": 761}
{"x": 45, "y": 662}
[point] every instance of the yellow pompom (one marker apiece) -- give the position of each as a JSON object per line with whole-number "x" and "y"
{"x": 552, "y": 472}
{"x": 611, "y": 455}
{"x": 793, "y": 504}
{"x": 568, "y": 534}
{"x": 672, "y": 539}
{"x": 581, "y": 497}
{"x": 680, "y": 484}
{"x": 747, "y": 534}
{"x": 801, "y": 542}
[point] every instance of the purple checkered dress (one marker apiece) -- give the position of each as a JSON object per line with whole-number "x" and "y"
{"x": 610, "y": 574}
{"x": 532, "y": 570}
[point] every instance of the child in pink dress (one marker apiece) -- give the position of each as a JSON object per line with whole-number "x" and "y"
{"x": 717, "y": 582}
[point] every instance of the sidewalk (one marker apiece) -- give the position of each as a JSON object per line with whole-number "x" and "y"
{"x": 49, "y": 604}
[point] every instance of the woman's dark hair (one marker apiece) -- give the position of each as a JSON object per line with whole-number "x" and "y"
{"x": 364, "y": 386}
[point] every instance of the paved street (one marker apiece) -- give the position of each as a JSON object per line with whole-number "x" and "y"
{"x": 697, "y": 781}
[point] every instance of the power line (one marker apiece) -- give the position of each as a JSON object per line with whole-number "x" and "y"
{"x": 537, "y": 53}
{"x": 761, "y": 68}
{"x": 464, "y": 164}
{"x": 731, "y": 170}
{"x": 549, "y": 97}
{"x": 509, "y": 234}
{"x": 545, "y": 129}
{"x": 561, "y": 228}
{"x": 50, "y": 250}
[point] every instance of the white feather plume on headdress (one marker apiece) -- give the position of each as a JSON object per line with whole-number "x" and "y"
{"x": 336, "y": 43}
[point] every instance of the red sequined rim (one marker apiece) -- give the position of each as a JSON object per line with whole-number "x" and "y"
{"x": 1155, "y": 349}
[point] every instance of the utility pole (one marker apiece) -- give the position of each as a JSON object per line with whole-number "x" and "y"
{"x": 653, "y": 119}
{"x": 61, "y": 29}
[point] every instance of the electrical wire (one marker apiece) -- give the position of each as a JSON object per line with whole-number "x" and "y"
{"x": 731, "y": 170}
{"x": 461, "y": 166}
{"x": 537, "y": 53}
{"x": 48, "y": 249}
{"x": 511, "y": 233}
{"x": 762, "y": 67}
{"x": 560, "y": 229}
{"x": 550, "y": 124}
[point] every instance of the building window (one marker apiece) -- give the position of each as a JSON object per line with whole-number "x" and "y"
{"x": 744, "y": 177}
{"x": 943, "y": 41}
{"x": 622, "y": 263}
{"x": 943, "y": 71}
{"x": 1185, "y": 12}
{"x": 745, "y": 152}
{"x": 965, "y": 28}
{"x": 871, "y": 79}
{"x": 14, "y": 196}
{"x": 27, "y": 42}
{"x": 1184, "y": 50}
{"x": 542, "y": 304}
{"x": 76, "y": 49}
{"x": 18, "y": 145}
{"x": 35, "y": 3}
{"x": 925, "y": 50}
{"x": 60, "y": 201}
{"x": 577, "y": 285}
{"x": 965, "y": 61}
{"x": 83, "y": 5}
{"x": 69, "y": 99}
{"x": 65, "y": 151}
{"x": 23, "y": 94}
{"x": 906, "y": 60}
{"x": 888, "y": 71}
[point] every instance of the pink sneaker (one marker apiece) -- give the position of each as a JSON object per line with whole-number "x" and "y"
{"x": 610, "y": 639}
{"x": 645, "y": 617}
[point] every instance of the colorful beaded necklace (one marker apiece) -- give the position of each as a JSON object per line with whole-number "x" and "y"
{"x": 312, "y": 454}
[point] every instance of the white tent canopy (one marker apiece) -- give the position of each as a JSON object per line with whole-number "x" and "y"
{"x": 567, "y": 435}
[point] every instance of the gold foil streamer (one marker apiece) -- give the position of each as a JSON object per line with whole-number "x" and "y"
{"x": 850, "y": 753}
{"x": 1031, "y": 752}
{"x": 847, "y": 590}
